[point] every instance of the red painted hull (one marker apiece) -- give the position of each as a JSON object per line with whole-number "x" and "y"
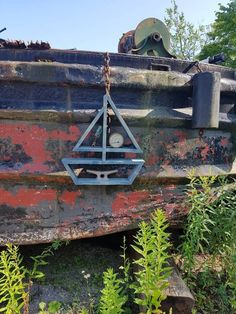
{"x": 40, "y": 203}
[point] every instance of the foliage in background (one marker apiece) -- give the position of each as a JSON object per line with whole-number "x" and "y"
{"x": 222, "y": 37}
{"x": 209, "y": 241}
{"x": 186, "y": 39}
{"x": 152, "y": 245}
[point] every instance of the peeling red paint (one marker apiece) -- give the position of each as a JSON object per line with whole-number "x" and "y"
{"x": 33, "y": 138}
{"x": 24, "y": 197}
{"x": 204, "y": 152}
{"x": 69, "y": 198}
{"x": 181, "y": 135}
{"x": 126, "y": 201}
{"x": 224, "y": 141}
{"x": 130, "y": 155}
{"x": 152, "y": 160}
{"x": 158, "y": 198}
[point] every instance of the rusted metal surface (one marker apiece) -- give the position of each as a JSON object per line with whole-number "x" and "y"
{"x": 39, "y": 202}
{"x": 19, "y": 44}
{"x": 40, "y": 213}
{"x": 119, "y": 60}
{"x": 42, "y": 45}
{"x": 16, "y": 44}
{"x": 37, "y": 148}
{"x": 44, "y": 110}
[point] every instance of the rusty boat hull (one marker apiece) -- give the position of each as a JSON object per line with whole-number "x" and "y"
{"x": 46, "y": 106}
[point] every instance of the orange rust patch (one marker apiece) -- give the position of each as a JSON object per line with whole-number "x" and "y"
{"x": 128, "y": 201}
{"x": 25, "y": 197}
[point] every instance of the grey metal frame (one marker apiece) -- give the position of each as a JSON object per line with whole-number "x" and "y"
{"x": 104, "y": 179}
{"x": 137, "y": 163}
{"x": 104, "y": 149}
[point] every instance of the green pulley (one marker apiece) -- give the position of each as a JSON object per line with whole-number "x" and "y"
{"x": 151, "y": 37}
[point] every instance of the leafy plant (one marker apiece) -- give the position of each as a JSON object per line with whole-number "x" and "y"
{"x": 75, "y": 308}
{"x": 151, "y": 243}
{"x": 41, "y": 259}
{"x": 196, "y": 231}
{"x": 231, "y": 272}
{"x": 127, "y": 279}
{"x": 16, "y": 279}
{"x": 12, "y": 281}
{"x": 112, "y": 299}
{"x": 210, "y": 230}
{"x": 53, "y": 307}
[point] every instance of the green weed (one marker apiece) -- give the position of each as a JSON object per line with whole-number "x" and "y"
{"x": 210, "y": 230}
{"x": 199, "y": 222}
{"x": 16, "y": 280}
{"x": 112, "y": 299}
{"x": 53, "y": 307}
{"x": 13, "y": 288}
{"x": 152, "y": 244}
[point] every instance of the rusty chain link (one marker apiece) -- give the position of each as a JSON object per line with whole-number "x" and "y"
{"x": 107, "y": 72}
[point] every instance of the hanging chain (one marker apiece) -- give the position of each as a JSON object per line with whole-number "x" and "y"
{"x": 107, "y": 72}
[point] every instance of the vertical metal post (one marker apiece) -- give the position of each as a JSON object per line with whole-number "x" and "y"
{"x": 104, "y": 135}
{"x": 206, "y": 100}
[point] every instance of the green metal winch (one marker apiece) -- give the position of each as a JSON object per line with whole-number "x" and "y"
{"x": 151, "y": 37}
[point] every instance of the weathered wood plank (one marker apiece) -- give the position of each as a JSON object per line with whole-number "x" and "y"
{"x": 179, "y": 297}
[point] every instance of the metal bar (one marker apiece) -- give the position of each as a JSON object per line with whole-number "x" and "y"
{"x": 90, "y": 149}
{"x": 125, "y": 126}
{"x": 137, "y": 163}
{"x": 104, "y": 135}
{"x": 98, "y": 161}
{"x": 136, "y": 171}
{"x": 107, "y": 149}
{"x": 75, "y": 149}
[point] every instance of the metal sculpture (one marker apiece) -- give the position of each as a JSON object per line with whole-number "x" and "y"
{"x": 105, "y": 170}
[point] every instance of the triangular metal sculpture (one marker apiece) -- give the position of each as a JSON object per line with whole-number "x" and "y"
{"x": 103, "y": 177}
